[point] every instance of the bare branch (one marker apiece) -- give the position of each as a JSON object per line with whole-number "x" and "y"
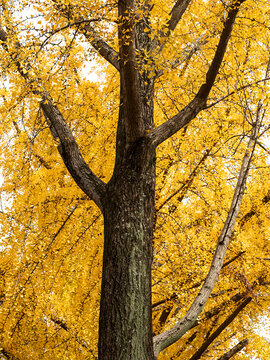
{"x": 62, "y": 324}
{"x": 234, "y": 350}
{"x": 71, "y": 155}
{"x": 176, "y": 14}
{"x": 167, "y": 338}
{"x": 185, "y": 186}
{"x": 233, "y": 259}
{"x": 189, "y": 112}
{"x": 68, "y": 148}
{"x": 237, "y": 90}
{"x": 104, "y": 49}
{"x": 222, "y": 327}
{"x": 185, "y": 55}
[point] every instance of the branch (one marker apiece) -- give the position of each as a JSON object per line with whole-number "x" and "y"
{"x": 196, "y": 285}
{"x": 217, "y": 309}
{"x": 234, "y": 350}
{"x": 236, "y": 91}
{"x": 252, "y": 212}
{"x": 129, "y": 73}
{"x": 80, "y": 341}
{"x": 173, "y": 296}
{"x": 166, "y": 312}
{"x": 167, "y": 338}
{"x": 68, "y": 148}
{"x": 218, "y": 331}
{"x": 233, "y": 259}
{"x": 185, "y": 186}
{"x": 176, "y": 14}
{"x": 105, "y": 50}
{"x": 185, "y": 55}
{"x": 189, "y": 112}
{"x": 70, "y": 153}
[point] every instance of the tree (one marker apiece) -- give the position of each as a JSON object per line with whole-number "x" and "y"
{"x": 211, "y": 52}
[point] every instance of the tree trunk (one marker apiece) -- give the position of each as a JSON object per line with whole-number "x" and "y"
{"x": 125, "y": 314}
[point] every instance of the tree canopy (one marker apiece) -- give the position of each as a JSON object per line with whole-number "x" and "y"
{"x": 204, "y": 72}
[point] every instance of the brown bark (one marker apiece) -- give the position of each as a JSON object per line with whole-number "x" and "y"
{"x": 129, "y": 72}
{"x": 125, "y": 315}
{"x": 240, "y": 346}
{"x": 84, "y": 27}
{"x": 177, "y": 12}
{"x": 177, "y": 122}
{"x": 218, "y": 331}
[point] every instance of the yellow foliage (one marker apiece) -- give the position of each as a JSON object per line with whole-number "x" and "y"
{"x": 51, "y": 234}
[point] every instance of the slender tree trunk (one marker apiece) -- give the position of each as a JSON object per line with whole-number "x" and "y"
{"x": 125, "y": 314}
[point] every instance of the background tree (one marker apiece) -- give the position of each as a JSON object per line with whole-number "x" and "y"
{"x": 203, "y": 67}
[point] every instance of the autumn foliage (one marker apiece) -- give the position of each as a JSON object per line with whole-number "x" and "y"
{"x": 65, "y": 53}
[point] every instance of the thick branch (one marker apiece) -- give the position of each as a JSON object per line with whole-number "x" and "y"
{"x": 167, "y": 338}
{"x": 177, "y": 122}
{"x": 104, "y": 49}
{"x": 175, "y": 296}
{"x": 237, "y": 348}
{"x": 218, "y": 331}
{"x": 71, "y": 155}
{"x": 166, "y": 312}
{"x": 129, "y": 72}
{"x": 176, "y": 14}
{"x": 68, "y": 148}
{"x": 217, "y": 309}
{"x": 221, "y": 49}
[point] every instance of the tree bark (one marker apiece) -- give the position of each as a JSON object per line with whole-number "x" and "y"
{"x": 125, "y": 315}
{"x": 219, "y": 330}
{"x": 234, "y": 350}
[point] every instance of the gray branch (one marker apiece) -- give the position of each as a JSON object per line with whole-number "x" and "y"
{"x": 168, "y": 337}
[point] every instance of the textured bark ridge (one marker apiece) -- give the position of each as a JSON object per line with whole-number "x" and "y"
{"x": 125, "y": 316}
